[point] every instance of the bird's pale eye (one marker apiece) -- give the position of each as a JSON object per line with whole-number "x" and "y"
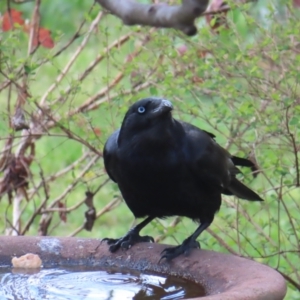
{"x": 141, "y": 109}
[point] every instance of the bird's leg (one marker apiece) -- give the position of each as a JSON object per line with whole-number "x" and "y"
{"x": 187, "y": 244}
{"x": 131, "y": 238}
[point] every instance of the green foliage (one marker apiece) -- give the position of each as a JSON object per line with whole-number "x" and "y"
{"x": 241, "y": 84}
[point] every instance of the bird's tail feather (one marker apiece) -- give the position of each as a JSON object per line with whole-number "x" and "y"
{"x": 244, "y": 162}
{"x": 241, "y": 191}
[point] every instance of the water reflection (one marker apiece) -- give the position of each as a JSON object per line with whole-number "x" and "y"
{"x": 82, "y": 283}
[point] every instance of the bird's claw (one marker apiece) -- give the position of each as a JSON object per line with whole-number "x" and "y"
{"x": 127, "y": 241}
{"x": 185, "y": 248}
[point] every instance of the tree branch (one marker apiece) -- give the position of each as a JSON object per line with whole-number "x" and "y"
{"x": 181, "y": 17}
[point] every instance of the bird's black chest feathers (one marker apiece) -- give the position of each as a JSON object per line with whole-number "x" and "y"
{"x": 156, "y": 179}
{"x": 149, "y": 162}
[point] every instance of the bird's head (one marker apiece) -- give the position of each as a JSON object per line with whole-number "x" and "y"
{"x": 149, "y": 113}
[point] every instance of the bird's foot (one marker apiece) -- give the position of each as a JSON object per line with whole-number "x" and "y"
{"x": 127, "y": 241}
{"x": 185, "y": 248}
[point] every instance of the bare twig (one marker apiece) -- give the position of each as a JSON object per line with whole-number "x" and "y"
{"x": 104, "y": 91}
{"x": 60, "y": 173}
{"x": 34, "y": 28}
{"x": 75, "y": 206}
{"x": 68, "y": 132}
{"x": 290, "y": 280}
{"x": 295, "y": 149}
{"x": 117, "y": 43}
{"x": 73, "y": 58}
{"x": 111, "y": 205}
{"x": 74, "y": 182}
{"x": 75, "y": 36}
{"x": 38, "y": 210}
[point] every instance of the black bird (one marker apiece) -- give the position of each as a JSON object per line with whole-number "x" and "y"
{"x": 165, "y": 167}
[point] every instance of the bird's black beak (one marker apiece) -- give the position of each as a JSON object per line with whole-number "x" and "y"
{"x": 164, "y": 107}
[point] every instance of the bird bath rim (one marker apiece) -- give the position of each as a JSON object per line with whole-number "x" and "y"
{"x": 224, "y": 276}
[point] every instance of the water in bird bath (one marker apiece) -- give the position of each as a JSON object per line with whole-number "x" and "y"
{"x": 90, "y": 283}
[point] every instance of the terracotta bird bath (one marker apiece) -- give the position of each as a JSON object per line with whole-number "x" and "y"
{"x": 223, "y": 276}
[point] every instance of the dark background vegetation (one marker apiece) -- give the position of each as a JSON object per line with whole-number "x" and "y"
{"x": 239, "y": 81}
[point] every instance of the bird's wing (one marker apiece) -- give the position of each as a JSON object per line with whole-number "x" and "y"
{"x": 209, "y": 133}
{"x": 239, "y": 161}
{"x": 213, "y": 165}
{"x": 110, "y": 155}
{"x": 209, "y": 162}
{"x": 243, "y": 162}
